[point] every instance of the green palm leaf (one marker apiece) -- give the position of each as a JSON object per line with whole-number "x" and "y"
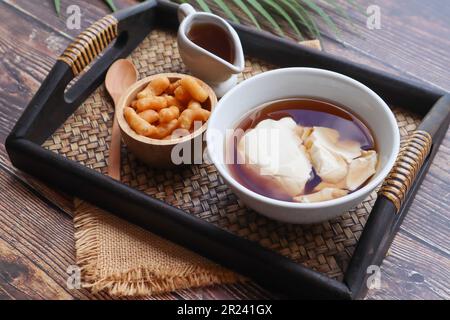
{"x": 305, "y": 18}
{"x": 57, "y": 6}
{"x": 282, "y": 12}
{"x": 226, "y": 10}
{"x": 341, "y": 11}
{"x": 294, "y": 12}
{"x": 203, "y": 5}
{"x": 111, "y": 4}
{"x": 260, "y": 9}
{"x": 241, "y": 5}
{"x": 314, "y": 7}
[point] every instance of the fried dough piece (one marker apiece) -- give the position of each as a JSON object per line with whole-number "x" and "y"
{"x": 138, "y": 124}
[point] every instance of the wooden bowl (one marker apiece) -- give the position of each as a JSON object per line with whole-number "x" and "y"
{"x": 155, "y": 152}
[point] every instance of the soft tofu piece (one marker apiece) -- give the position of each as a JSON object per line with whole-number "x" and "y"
{"x": 322, "y": 195}
{"x": 329, "y": 166}
{"x": 361, "y": 169}
{"x": 274, "y": 152}
{"x": 328, "y": 138}
{"x": 329, "y": 156}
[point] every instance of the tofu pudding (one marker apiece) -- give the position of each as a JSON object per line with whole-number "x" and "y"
{"x": 302, "y": 150}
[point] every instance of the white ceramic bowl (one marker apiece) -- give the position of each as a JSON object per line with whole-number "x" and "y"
{"x": 308, "y": 82}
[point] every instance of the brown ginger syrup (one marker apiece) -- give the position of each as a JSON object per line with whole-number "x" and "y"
{"x": 306, "y": 112}
{"x": 214, "y": 39}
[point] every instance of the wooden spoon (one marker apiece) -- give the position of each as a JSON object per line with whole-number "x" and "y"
{"x": 120, "y": 76}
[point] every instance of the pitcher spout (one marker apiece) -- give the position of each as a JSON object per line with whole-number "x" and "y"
{"x": 239, "y": 61}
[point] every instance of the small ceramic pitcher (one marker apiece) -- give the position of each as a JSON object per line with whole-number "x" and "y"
{"x": 220, "y": 74}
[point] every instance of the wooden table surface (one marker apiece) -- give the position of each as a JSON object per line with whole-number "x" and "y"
{"x": 36, "y": 228}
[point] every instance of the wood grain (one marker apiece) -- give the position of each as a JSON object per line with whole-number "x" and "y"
{"x": 36, "y": 230}
{"x": 28, "y": 50}
{"x": 22, "y": 279}
{"x": 34, "y": 252}
{"x": 20, "y": 75}
{"x": 45, "y": 12}
{"x": 408, "y": 274}
{"x": 414, "y": 37}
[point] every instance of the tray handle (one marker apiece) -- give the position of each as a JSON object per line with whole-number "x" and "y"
{"x": 90, "y": 44}
{"x": 110, "y": 38}
{"x": 396, "y": 195}
{"x": 414, "y": 153}
{"x": 411, "y": 157}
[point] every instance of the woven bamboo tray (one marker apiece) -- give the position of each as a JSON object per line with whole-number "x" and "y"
{"x": 199, "y": 190}
{"x": 203, "y": 210}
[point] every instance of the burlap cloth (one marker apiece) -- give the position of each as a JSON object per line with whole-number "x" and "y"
{"x": 126, "y": 260}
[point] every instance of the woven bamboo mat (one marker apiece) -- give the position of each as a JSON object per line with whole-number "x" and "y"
{"x": 199, "y": 190}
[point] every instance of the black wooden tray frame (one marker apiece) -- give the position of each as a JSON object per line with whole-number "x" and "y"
{"x": 50, "y": 107}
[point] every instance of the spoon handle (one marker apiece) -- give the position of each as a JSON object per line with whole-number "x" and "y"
{"x": 114, "y": 151}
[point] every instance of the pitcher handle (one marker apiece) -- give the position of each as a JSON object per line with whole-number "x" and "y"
{"x": 185, "y": 10}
